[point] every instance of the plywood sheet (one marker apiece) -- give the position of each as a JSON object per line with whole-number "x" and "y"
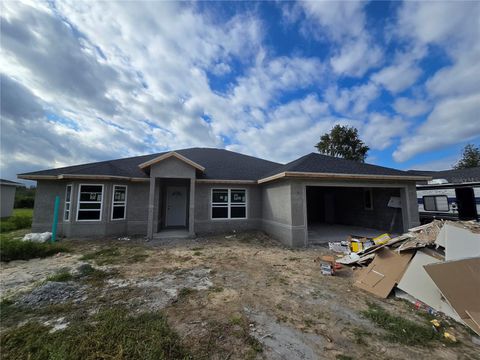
{"x": 416, "y": 282}
{"x": 459, "y": 283}
{"x": 384, "y": 272}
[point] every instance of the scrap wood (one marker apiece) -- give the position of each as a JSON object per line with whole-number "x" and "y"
{"x": 355, "y": 258}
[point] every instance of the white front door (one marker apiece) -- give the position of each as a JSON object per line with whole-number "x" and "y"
{"x": 176, "y": 206}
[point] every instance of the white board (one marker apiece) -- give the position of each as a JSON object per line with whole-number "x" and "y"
{"x": 417, "y": 283}
{"x": 460, "y": 243}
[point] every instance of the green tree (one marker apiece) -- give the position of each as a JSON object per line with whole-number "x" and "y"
{"x": 343, "y": 141}
{"x": 470, "y": 157}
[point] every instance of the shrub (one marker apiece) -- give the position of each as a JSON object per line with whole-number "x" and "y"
{"x": 21, "y": 219}
{"x": 12, "y": 249}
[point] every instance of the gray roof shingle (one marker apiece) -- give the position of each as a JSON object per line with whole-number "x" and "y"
{"x": 452, "y": 176}
{"x": 9, "y": 182}
{"x": 219, "y": 164}
{"x": 320, "y": 163}
{"x": 226, "y": 165}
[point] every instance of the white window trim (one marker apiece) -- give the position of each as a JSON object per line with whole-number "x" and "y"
{"x": 228, "y": 203}
{"x": 68, "y": 202}
{"x": 125, "y": 202}
{"x": 101, "y": 202}
{"x": 369, "y": 190}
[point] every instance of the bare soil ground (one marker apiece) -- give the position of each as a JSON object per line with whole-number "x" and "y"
{"x": 243, "y": 296}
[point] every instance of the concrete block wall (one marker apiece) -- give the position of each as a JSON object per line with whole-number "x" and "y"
{"x": 7, "y": 197}
{"x": 134, "y": 224}
{"x": 277, "y": 211}
{"x": 204, "y": 224}
{"x": 350, "y": 208}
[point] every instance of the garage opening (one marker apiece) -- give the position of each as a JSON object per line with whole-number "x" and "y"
{"x": 334, "y": 213}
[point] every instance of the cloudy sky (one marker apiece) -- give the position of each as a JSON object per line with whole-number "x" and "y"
{"x": 87, "y": 81}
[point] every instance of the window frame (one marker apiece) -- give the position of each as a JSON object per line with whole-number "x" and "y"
{"x": 65, "y": 202}
{"x": 370, "y": 192}
{"x": 124, "y": 202}
{"x": 101, "y": 202}
{"x": 435, "y": 202}
{"x": 229, "y": 203}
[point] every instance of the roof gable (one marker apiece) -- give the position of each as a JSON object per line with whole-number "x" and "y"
{"x": 169, "y": 155}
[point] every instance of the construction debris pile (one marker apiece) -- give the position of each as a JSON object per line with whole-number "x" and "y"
{"x": 436, "y": 266}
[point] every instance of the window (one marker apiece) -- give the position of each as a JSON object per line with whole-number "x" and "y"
{"x": 68, "y": 202}
{"x": 435, "y": 203}
{"x": 90, "y": 202}
{"x": 229, "y": 204}
{"x": 368, "y": 199}
{"x": 119, "y": 202}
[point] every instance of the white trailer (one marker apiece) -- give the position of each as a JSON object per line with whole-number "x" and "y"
{"x": 440, "y": 199}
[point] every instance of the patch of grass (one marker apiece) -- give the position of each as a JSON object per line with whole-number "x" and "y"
{"x": 91, "y": 275}
{"x": 360, "y": 335}
{"x": 14, "y": 249}
{"x": 184, "y": 292}
{"x": 61, "y": 276}
{"x": 197, "y": 249}
{"x": 103, "y": 256}
{"x": 343, "y": 357}
{"x": 20, "y": 219}
{"x": 236, "y": 320}
{"x": 111, "y": 334}
{"x": 216, "y": 289}
{"x": 137, "y": 258}
{"x": 197, "y": 253}
{"x": 116, "y": 255}
{"x": 400, "y": 330}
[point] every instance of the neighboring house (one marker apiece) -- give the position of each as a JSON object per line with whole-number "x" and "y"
{"x": 451, "y": 194}
{"x": 7, "y": 196}
{"x": 205, "y": 190}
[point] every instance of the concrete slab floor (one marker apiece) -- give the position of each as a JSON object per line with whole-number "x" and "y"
{"x": 172, "y": 234}
{"x": 321, "y": 234}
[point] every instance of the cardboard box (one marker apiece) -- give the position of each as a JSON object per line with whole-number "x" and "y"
{"x": 384, "y": 272}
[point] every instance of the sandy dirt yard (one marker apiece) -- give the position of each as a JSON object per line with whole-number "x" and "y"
{"x": 240, "y": 296}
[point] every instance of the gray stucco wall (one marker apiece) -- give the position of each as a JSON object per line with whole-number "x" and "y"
{"x": 279, "y": 208}
{"x": 285, "y": 207}
{"x": 203, "y": 220}
{"x": 162, "y": 173}
{"x": 135, "y": 223}
{"x": 277, "y": 217}
{"x": 7, "y": 198}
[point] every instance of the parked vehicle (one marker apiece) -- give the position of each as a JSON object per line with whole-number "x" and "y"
{"x": 440, "y": 199}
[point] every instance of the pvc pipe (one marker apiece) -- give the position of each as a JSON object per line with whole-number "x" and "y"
{"x": 55, "y": 218}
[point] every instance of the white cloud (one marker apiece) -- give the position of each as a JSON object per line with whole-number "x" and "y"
{"x": 445, "y": 163}
{"x": 381, "y": 129}
{"x": 290, "y": 131}
{"x": 396, "y": 78}
{"x": 343, "y": 22}
{"x": 462, "y": 78}
{"x": 453, "y": 91}
{"x": 356, "y": 58}
{"x": 354, "y": 100}
{"x": 411, "y": 107}
{"x": 452, "y": 121}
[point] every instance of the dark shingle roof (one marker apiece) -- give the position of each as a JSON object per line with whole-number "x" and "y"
{"x": 452, "y": 176}
{"x": 9, "y": 182}
{"x": 219, "y": 164}
{"x": 227, "y": 165}
{"x": 314, "y": 162}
